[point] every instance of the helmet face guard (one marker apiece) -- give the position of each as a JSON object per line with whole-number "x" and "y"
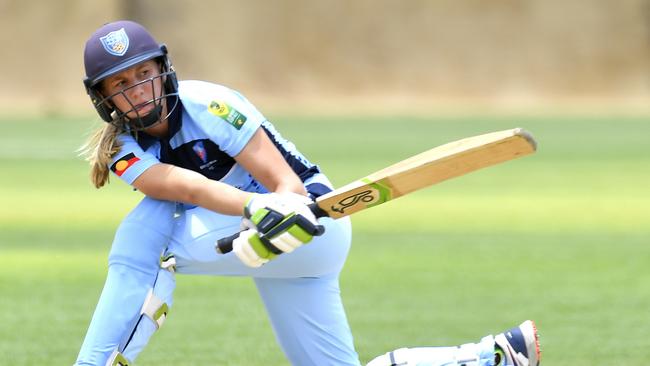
{"x": 116, "y": 47}
{"x": 167, "y": 91}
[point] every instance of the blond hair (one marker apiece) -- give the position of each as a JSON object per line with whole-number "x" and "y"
{"x": 98, "y": 151}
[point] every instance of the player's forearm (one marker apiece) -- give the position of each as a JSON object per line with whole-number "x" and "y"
{"x": 265, "y": 163}
{"x": 171, "y": 183}
{"x": 218, "y": 197}
{"x": 290, "y": 185}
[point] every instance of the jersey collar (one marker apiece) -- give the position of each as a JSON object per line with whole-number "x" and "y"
{"x": 174, "y": 120}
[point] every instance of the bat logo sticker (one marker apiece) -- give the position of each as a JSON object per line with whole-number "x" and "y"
{"x": 375, "y": 195}
{"x": 342, "y": 205}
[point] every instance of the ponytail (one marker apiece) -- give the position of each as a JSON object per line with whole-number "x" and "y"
{"x": 98, "y": 150}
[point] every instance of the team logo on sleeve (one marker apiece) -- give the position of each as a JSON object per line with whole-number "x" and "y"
{"x": 120, "y": 166}
{"x": 116, "y": 42}
{"x": 227, "y": 113}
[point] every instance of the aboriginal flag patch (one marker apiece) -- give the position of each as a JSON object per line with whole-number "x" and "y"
{"x": 120, "y": 166}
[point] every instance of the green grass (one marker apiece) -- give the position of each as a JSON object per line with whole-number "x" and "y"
{"x": 560, "y": 237}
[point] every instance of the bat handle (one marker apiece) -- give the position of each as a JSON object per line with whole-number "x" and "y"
{"x": 317, "y": 211}
{"x": 224, "y": 245}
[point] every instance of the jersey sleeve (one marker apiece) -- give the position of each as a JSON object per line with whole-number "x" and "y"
{"x": 226, "y": 116}
{"x": 131, "y": 160}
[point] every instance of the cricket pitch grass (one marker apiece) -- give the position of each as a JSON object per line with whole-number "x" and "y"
{"x": 561, "y": 237}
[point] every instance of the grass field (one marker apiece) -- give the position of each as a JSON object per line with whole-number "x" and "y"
{"x": 562, "y": 237}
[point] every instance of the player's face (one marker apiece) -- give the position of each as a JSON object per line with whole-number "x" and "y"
{"x": 134, "y": 90}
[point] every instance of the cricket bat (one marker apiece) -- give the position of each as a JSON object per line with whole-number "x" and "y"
{"x": 430, "y": 167}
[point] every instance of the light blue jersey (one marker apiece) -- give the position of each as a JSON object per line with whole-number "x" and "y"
{"x": 212, "y": 125}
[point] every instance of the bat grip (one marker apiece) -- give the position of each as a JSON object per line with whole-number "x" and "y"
{"x": 317, "y": 211}
{"x": 224, "y": 245}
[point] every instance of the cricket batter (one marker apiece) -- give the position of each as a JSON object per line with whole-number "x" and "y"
{"x": 210, "y": 165}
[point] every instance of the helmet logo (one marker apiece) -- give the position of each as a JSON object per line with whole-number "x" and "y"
{"x": 116, "y": 42}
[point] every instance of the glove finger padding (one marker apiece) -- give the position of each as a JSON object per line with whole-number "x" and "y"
{"x": 249, "y": 248}
{"x": 291, "y": 233}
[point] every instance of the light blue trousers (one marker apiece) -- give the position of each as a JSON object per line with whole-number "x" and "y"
{"x": 300, "y": 290}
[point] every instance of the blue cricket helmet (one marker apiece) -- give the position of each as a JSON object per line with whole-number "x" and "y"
{"x": 115, "y": 47}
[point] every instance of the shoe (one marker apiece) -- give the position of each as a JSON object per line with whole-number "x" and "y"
{"x": 518, "y": 346}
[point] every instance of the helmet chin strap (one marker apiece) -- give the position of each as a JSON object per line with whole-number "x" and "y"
{"x": 140, "y": 123}
{"x": 152, "y": 117}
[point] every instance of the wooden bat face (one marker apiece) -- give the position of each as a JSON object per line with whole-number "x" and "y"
{"x": 430, "y": 167}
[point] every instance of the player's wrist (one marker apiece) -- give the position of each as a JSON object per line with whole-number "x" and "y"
{"x": 246, "y": 209}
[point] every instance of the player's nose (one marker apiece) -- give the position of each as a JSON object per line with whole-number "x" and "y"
{"x": 137, "y": 90}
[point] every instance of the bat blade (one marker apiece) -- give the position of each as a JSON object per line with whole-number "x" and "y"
{"x": 430, "y": 167}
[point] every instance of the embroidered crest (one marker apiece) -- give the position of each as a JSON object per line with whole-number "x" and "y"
{"x": 116, "y": 42}
{"x": 199, "y": 149}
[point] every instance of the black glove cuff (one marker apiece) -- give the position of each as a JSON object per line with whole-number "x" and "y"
{"x": 269, "y": 221}
{"x": 272, "y": 248}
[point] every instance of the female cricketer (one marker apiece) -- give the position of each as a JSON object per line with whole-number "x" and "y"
{"x": 210, "y": 165}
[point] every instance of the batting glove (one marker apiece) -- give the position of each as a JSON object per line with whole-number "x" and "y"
{"x": 276, "y": 223}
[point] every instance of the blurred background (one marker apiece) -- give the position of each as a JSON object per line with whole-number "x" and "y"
{"x": 372, "y": 54}
{"x": 561, "y": 237}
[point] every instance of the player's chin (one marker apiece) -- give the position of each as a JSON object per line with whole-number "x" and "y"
{"x": 143, "y": 110}
{"x": 140, "y": 112}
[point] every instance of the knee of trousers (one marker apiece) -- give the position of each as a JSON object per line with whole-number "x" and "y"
{"x": 143, "y": 235}
{"x": 132, "y": 307}
{"x": 153, "y": 314}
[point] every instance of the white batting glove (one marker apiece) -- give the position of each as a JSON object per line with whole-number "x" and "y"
{"x": 243, "y": 245}
{"x": 277, "y": 223}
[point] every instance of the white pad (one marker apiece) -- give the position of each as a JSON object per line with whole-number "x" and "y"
{"x": 168, "y": 263}
{"x": 155, "y": 309}
{"x": 153, "y": 313}
{"x": 465, "y": 355}
{"x": 117, "y": 359}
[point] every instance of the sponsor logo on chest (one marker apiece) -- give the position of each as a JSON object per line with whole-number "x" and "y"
{"x": 201, "y": 152}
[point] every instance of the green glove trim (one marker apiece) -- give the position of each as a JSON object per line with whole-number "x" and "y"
{"x": 259, "y": 215}
{"x": 259, "y": 247}
{"x": 300, "y": 233}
